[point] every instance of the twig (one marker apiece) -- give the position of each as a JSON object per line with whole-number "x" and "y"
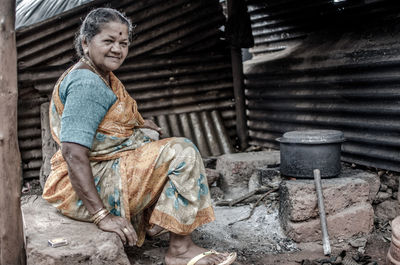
{"x": 242, "y": 198}
{"x": 254, "y": 207}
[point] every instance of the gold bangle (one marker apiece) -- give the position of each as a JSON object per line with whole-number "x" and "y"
{"x": 98, "y": 213}
{"x": 101, "y": 217}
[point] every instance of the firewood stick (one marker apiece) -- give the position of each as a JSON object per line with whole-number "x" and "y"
{"x": 322, "y": 215}
{"x": 254, "y": 207}
{"x": 242, "y": 198}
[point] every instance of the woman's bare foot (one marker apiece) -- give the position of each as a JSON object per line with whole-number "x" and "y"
{"x": 182, "y": 249}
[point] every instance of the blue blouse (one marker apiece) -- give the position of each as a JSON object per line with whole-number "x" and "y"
{"x": 86, "y": 100}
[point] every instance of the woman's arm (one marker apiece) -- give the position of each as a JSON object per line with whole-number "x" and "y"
{"x": 80, "y": 174}
{"x": 81, "y": 177}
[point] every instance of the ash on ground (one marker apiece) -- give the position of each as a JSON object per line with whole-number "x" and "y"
{"x": 258, "y": 235}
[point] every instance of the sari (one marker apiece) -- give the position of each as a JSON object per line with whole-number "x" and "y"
{"x": 147, "y": 182}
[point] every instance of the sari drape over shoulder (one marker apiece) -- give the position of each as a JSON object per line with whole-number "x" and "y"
{"x": 148, "y": 182}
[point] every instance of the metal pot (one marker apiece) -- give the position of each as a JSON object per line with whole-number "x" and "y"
{"x": 304, "y": 151}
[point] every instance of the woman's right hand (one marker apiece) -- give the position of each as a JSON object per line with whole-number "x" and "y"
{"x": 122, "y": 227}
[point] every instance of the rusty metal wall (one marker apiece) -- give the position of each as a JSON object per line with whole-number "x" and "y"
{"x": 279, "y": 24}
{"x": 177, "y": 64}
{"x": 343, "y": 74}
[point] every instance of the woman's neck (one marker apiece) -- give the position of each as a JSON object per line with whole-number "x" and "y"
{"x": 103, "y": 74}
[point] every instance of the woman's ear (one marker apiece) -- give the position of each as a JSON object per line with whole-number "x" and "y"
{"x": 85, "y": 46}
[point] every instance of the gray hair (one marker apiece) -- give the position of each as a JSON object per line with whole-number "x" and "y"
{"x": 93, "y": 23}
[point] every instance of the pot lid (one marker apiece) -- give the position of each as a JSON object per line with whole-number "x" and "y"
{"x": 313, "y": 137}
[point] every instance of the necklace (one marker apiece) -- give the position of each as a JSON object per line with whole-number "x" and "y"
{"x": 90, "y": 64}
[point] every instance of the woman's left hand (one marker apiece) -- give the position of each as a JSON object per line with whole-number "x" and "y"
{"x": 151, "y": 125}
{"x": 122, "y": 227}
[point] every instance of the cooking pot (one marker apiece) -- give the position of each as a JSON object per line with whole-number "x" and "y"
{"x": 304, "y": 151}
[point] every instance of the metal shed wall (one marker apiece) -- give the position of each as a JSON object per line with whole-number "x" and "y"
{"x": 343, "y": 74}
{"x": 177, "y": 64}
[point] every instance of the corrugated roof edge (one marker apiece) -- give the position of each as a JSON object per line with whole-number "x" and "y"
{"x": 66, "y": 14}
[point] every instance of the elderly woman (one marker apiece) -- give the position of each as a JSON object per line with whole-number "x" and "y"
{"x": 107, "y": 171}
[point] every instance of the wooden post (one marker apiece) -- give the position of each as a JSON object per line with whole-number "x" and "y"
{"x": 11, "y": 229}
{"x": 49, "y": 146}
{"x": 238, "y": 90}
{"x": 238, "y": 30}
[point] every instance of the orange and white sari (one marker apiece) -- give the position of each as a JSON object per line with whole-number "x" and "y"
{"x": 148, "y": 182}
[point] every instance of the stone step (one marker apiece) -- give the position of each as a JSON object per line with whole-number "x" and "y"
{"x": 87, "y": 244}
{"x": 236, "y": 169}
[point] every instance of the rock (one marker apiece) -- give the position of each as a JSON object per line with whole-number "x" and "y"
{"x": 383, "y": 187}
{"x": 387, "y": 210}
{"x": 216, "y": 193}
{"x": 236, "y": 169}
{"x": 270, "y": 177}
{"x": 391, "y": 181}
{"x": 210, "y": 162}
{"x": 298, "y": 198}
{"x": 360, "y": 242}
{"x": 254, "y": 182}
{"x": 382, "y": 196}
{"x": 355, "y": 220}
{"x": 212, "y": 176}
{"x": 87, "y": 244}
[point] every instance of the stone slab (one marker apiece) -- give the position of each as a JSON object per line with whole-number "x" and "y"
{"x": 355, "y": 220}
{"x": 236, "y": 169}
{"x": 87, "y": 244}
{"x": 298, "y": 198}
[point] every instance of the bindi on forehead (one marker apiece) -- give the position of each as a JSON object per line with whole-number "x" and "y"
{"x": 120, "y": 33}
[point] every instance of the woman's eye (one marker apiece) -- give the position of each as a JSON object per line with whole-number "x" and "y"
{"x": 108, "y": 41}
{"x": 124, "y": 44}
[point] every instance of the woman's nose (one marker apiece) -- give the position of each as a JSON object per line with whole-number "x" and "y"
{"x": 116, "y": 48}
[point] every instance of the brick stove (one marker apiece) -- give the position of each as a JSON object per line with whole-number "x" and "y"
{"x": 348, "y": 205}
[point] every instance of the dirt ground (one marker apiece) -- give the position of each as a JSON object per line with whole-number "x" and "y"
{"x": 153, "y": 250}
{"x": 275, "y": 249}
{"x": 257, "y": 241}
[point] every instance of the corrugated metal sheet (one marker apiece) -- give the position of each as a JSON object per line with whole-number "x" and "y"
{"x": 279, "y": 24}
{"x": 177, "y": 64}
{"x": 205, "y": 128}
{"x": 339, "y": 78}
{"x": 163, "y": 27}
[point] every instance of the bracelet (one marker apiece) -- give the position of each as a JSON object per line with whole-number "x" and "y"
{"x": 98, "y": 214}
{"x": 101, "y": 217}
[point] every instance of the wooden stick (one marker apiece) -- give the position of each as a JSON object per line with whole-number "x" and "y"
{"x": 242, "y": 198}
{"x": 322, "y": 215}
{"x": 254, "y": 207}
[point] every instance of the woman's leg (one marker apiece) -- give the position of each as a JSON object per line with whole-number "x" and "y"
{"x": 184, "y": 203}
{"x": 182, "y": 249}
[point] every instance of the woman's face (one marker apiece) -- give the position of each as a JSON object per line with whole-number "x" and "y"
{"x": 109, "y": 48}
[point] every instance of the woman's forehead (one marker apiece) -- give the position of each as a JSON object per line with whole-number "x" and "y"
{"x": 115, "y": 29}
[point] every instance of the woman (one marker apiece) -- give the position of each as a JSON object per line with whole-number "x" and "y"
{"x": 107, "y": 170}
